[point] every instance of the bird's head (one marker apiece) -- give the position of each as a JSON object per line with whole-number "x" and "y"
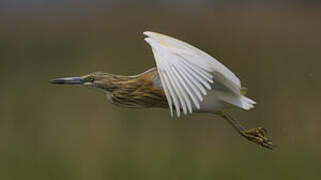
{"x": 96, "y": 80}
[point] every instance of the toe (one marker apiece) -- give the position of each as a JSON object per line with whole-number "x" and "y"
{"x": 262, "y": 131}
{"x": 257, "y": 135}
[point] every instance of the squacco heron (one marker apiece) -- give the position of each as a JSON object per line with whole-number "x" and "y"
{"x": 186, "y": 80}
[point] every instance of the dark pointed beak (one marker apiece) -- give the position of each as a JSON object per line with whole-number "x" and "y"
{"x": 68, "y": 80}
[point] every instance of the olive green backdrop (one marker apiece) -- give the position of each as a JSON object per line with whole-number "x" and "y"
{"x": 63, "y": 132}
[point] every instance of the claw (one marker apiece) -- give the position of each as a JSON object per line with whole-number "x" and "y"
{"x": 257, "y": 135}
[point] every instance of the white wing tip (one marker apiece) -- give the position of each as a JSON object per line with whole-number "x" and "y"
{"x": 156, "y": 36}
{"x": 152, "y": 34}
{"x": 146, "y": 33}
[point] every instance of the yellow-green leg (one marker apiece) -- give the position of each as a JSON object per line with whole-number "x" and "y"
{"x": 256, "y": 135}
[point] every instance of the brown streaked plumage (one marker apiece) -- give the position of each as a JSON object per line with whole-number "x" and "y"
{"x": 186, "y": 80}
{"x": 133, "y": 91}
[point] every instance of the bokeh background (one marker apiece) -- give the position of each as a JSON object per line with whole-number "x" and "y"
{"x": 64, "y": 132}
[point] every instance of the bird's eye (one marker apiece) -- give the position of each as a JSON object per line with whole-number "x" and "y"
{"x": 91, "y": 79}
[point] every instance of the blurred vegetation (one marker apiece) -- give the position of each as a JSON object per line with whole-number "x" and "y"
{"x": 50, "y": 132}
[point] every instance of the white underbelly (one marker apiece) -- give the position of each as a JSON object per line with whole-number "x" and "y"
{"x": 212, "y": 102}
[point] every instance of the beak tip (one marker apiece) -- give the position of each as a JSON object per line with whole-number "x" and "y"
{"x": 70, "y": 80}
{"x": 56, "y": 81}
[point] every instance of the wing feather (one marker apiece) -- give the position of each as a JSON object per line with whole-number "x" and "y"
{"x": 202, "y": 72}
{"x": 177, "y": 90}
{"x": 194, "y": 78}
{"x": 191, "y": 89}
{"x": 187, "y": 73}
{"x": 195, "y": 72}
{"x": 180, "y": 83}
{"x": 196, "y": 56}
{"x": 172, "y": 93}
{"x": 164, "y": 83}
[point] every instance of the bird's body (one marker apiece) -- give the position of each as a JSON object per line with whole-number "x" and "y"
{"x": 186, "y": 80}
{"x": 145, "y": 91}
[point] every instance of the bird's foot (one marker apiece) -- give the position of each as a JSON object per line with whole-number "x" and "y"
{"x": 257, "y": 135}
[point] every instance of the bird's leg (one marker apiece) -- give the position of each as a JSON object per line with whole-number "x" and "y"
{"x": 256, "y": 135}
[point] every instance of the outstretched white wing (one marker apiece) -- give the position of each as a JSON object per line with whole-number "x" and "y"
{"x": 187, "y": 73}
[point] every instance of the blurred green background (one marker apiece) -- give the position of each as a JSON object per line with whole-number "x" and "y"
{"x": 51, "y": 132}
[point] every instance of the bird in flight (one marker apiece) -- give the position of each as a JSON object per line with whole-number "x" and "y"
{"x": 185, "y": 80}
